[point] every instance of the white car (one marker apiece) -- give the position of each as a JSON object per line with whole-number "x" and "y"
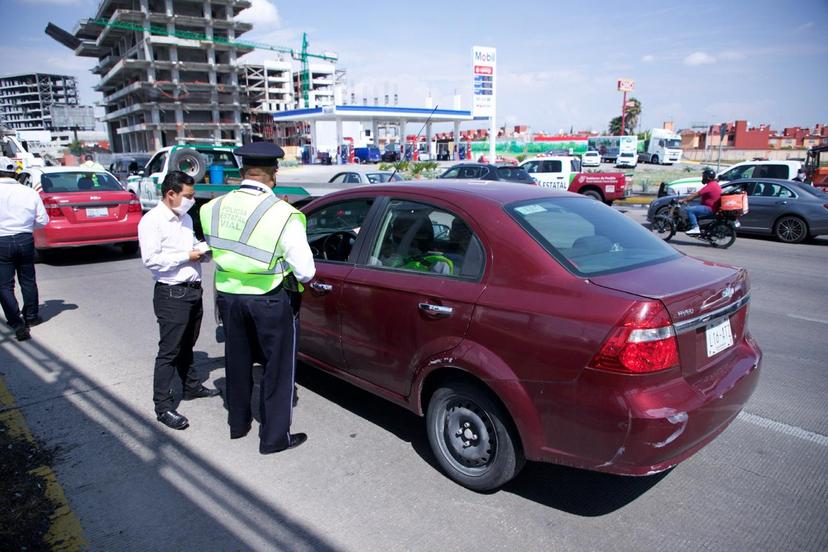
{"x": 591, "y": 159}
{"x": 626, "y": 159}
{"x": 784, "y": 170}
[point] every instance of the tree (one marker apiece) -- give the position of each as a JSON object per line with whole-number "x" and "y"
{"x": 633, "y": 111}
{"x": 75, "y": 147}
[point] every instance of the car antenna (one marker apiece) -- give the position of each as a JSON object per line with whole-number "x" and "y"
{"x": 416, "y": 142}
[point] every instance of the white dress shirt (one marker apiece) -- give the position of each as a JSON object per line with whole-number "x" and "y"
{"x": 293, "y": 244}
{"x": 166, "y": 241}
{"x": 21, "y": 209}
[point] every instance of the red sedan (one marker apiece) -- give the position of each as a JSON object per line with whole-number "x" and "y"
{"x": 526, "y": 323}
{"x": 85, "y": 207}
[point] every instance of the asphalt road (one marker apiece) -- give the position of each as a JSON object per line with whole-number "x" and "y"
{"x": 366, "y": 479}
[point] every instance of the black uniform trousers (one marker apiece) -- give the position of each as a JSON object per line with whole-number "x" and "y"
{"x": 17, "y": 257}
{"x": 260, "y": 324}
{"x": 179, "y": 311}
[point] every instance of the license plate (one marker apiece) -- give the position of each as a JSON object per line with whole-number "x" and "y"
{"x": 610, "y": 188}
{"x": 719, "y": 337}
{"x": 94, "y": 212}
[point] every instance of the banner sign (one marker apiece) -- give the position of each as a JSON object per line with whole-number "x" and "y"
{"x": 483, "y": 72}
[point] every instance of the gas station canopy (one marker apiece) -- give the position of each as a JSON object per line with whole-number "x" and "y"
{"x": 367, "y": 113}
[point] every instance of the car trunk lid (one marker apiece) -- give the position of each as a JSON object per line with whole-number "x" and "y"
{"x": 706, "y": 302}
{"x": 88, "y": 206}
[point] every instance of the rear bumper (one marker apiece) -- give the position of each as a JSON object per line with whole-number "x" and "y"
{"x": 65, "y": 234}
{"x": 616, "y": 424}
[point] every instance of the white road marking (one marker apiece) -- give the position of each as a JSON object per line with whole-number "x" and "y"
{"x": 793, "y": 431}
{"x": 808, "y": 319}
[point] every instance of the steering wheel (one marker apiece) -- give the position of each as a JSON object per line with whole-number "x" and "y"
{"x": 337, "y": 245}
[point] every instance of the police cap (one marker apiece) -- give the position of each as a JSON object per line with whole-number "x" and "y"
{"x": 260, "y": 154}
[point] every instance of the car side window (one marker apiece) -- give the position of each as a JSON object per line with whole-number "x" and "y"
{"x": 452, "y": 173}
{"x": 339, "y": 179}
{"x": 470, "y": 172}
{"x": 777, "y": 171}
{"x": 418, "y": 237}
{"x": 157, "y": 164}
{"x": 352, "y": 178}
{"x": 531, "y": 166}
{"x": 333, "y": 228}
{"x": 551, "y": 166}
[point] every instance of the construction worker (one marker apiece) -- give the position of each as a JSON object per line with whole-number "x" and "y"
{"x": 261, "y": 250}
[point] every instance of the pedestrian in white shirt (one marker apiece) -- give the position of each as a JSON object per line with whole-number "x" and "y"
{"x": 21, "y": 211}
{"x": 171, "y": 252}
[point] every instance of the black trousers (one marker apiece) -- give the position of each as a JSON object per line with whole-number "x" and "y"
{"x": 179, "y": 311}
{"x": 266, "y": 323}
{"x": 17, "y": 257}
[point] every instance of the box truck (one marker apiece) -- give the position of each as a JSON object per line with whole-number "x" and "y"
{"x": 663, "y": 147}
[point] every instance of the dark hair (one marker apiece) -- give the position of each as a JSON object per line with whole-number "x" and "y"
{"x": 175, "y": 182}
{"x": 88, "y": 157}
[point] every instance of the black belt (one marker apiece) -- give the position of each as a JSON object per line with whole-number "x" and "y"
{"x": 194, "y": 285}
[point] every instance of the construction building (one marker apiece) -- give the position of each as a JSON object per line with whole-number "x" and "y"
{"x": 26, "y": 102}
{"x": 169, "y": 70}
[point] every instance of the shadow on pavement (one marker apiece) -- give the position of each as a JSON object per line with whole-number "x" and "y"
{"x": 76, "y": 256}
{"x": 580, "y": 492}
{"x": 53, "y": 307}
{"x": 174, "y": 498}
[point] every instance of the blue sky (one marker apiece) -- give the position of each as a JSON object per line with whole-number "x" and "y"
{"x": 693, "y": 62}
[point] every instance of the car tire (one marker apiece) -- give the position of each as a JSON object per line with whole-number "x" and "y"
{"x": 472, "y": 437}
{"x": 129, "y": 248}
{"x": 593, "y": 194}
{"x": 189, "y": 161}
{"x": 790, "y": 229}
{"x": 654, "y": 160}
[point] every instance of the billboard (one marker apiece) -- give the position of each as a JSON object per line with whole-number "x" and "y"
{"x": 483, "y": 72}
{"x": 72, "y": 117}
{"x": 626, "y": 85}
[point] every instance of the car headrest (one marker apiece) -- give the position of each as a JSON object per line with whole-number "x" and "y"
{"x": 590, "y": 245}
{"x": 85, "y": 183}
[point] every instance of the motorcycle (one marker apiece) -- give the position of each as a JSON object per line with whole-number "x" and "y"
{"x": 718, "y": 230}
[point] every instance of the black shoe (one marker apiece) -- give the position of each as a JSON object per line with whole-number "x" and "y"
{"x": 296, "y": 439}
{"x": 22, "y": 333}
{"x": 203, "y": 393}
{"x": 34, "y": 321}
{"x": 295, "y": 396}
{"x": 173, "y": 420}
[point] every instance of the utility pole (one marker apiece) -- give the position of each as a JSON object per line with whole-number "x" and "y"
{"x": 722, "y": 132}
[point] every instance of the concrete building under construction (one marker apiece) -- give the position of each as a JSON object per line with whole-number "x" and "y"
{"x": 26, "y": 100}
{"x": 169, "y": 70}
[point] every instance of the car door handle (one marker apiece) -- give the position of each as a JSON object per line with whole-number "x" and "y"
{"x": 781, "y": 203}
{"x": 320, "y": 287}
{"x": 436, "y": 310}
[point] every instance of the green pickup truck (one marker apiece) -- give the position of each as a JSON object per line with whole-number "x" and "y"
{"x": 196, "y": 160}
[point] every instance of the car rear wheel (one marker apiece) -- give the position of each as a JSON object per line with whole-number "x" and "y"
{"x": 472, "y": 437}
{"x": 663, "y": 227}
{"x": 791, "y": 230}
{"x": 593, "y": 194}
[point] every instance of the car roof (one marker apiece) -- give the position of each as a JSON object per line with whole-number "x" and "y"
{"x": 768, "y": 162}
{"x": 462, "y": 191}
{"x": 63, "y": 168}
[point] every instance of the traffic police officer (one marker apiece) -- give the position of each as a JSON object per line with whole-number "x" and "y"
{"x": 261, "y": 250}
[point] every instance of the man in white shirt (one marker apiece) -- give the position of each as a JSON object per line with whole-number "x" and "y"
{"x": 21, "y": 211}
{"x": 171, "y": 252}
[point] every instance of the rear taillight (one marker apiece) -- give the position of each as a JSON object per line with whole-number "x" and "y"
{"x": 52, "y": 209}
{"x": 643, "y": 341}
{"x": 134, "y": 206}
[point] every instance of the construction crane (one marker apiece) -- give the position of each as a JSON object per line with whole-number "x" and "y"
{"x": 302, "y": 55}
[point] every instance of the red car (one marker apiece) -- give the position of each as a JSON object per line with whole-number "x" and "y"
{"x": 526, "y": 323}
{"x": 85, "y": 207}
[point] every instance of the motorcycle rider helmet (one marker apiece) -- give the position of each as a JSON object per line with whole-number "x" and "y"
{"x": 708, "y": 174}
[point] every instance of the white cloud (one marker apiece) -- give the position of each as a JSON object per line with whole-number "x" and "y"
{"x": 699, "y": 58}
{"x": 58, "y": 2}
{"x": 260, "y": 13}
{"x": 648, "y": 58}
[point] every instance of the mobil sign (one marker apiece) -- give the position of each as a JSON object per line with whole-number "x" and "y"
{"x": 483, "y": 72}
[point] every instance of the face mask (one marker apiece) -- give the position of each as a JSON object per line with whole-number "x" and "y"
{"x": 186, "y": 205}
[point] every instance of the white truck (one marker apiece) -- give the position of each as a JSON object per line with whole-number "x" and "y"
{"x": 15, "y": 150}
{"x": 663, "y": 147}
{"x": 612, "y": 147}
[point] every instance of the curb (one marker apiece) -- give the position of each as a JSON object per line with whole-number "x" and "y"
{"x": 65, "y": 532}
{"x": 635, "y": 200}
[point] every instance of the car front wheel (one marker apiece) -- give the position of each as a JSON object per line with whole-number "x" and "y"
{"x": 472, "y": 437}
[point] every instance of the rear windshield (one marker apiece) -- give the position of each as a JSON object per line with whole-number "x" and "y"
{"x": 587, "y": 237}
{"x": 79, "y": 182}
{"x": 515, "y": 174}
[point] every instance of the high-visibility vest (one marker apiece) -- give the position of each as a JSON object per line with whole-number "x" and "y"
{"x": 243, "y": 231}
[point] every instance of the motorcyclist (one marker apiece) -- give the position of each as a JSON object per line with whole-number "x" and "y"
{"x": 710, "y": 195}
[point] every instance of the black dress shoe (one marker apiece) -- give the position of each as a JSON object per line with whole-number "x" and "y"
{"x": 239, "y": 433}
{"x": 22, "y": 333}
{"x": 203, "y": 393}
{"x": 296, "y": 439}
{"x": 173, "y": 420}
{"x": 36, "y": 321}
